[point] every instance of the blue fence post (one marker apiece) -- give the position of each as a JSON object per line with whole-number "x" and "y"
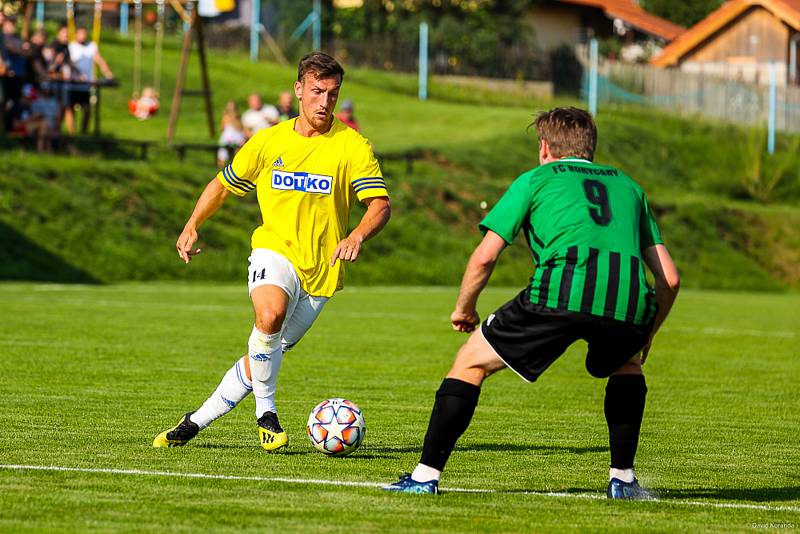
{"x": 423, "y": 61}
{"x": 255, "y": 25}
{"x": 593, "y": 52}
{"x": 189, "y": 8}
{"x": 40, "y": 13}
{"x": 123, "y": 18}
{"x": 773, "y": 108}
{"x": 317, "y": 26}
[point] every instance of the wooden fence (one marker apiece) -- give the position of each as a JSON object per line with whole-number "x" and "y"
{"x": 719, "y": 95}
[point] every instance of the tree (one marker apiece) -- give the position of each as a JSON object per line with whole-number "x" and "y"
{"x": 686, "y": 13}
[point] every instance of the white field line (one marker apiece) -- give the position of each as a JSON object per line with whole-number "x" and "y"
{"x": 322, "y": 482}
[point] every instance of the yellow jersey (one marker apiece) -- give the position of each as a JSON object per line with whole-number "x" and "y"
{"x": 306, "y": 187}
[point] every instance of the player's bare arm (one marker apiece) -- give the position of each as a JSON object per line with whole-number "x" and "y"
{"x": 210, "y": 200}
{"x": 667, "y": 284}
{"x": 379, "y": 210}
{"x": 479, "y": 268}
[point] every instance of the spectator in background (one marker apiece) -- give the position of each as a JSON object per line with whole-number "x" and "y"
{"x": 44, "y": 118}
{"x": 2, "y": 45}
{"x": 38, "y": 63}
{"x": 347, "y": 115}
{"x": 232, "y": 136}
{"x": 59, "y": 67}
{"x": 16, "y": 64}
{"x": 35, "y": 114}
{"x": 258, "y": 116}
{"x": 84, "y": 55}
{"x": 60, "y": 59}
{"x": 19, "y": 111}
{"x": 3, "y": 78}
{"x": 285, "y": 108}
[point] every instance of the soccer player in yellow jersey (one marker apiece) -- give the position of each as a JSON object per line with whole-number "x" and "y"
{"x": 307, "y": 173}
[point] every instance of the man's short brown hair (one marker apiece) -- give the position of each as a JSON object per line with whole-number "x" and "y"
{"x": 321, "y": 65}
{"x": 568, "y": 132}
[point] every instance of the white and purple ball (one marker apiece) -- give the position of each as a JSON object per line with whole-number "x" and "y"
{"x": 336, "y": 427}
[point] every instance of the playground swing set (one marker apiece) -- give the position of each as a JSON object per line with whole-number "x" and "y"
{"x": 144, "y": 101}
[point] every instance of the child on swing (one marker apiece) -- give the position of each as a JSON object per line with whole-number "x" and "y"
{"x": 146, "y": 105}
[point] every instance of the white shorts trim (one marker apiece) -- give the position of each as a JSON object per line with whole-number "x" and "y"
{"x": 270, "y": 268}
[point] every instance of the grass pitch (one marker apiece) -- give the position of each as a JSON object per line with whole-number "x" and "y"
{"x": 91, "y": 374}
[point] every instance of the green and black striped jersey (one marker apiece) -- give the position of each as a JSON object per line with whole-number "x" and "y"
{"x": 586, "y": 226}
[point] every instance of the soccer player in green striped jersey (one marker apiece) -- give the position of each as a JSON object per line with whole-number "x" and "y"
{"x": 591, "y": 233}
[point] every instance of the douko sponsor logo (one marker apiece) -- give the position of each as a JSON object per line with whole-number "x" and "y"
{"x": 302, "y": 181}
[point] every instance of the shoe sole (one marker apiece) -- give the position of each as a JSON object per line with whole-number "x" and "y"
{"x": 272, "y": 442}
{"x": 161, "y": 441}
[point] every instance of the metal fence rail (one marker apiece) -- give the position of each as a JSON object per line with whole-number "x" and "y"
{"x": 714, "y": 95}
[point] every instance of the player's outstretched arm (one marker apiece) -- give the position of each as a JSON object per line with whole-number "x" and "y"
{"x": 379, "y": 210}
{"x": 667, "y": 284}
{"x": 209, "y": 202}
{"x": 479, "y": 268}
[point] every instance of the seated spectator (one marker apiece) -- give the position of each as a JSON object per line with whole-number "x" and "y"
{"x": 44, "y": 118}
{"x": 146, "y": 105}
{"x": 347, "y": 115}
{"x": 232, "y": 136}
{"x": 19, "y": 111}
{"x": 84, "y": 55}
{"x": 285, "y": 108}
{"x": 258, "y": 116}
{"x": 35, "y": 115}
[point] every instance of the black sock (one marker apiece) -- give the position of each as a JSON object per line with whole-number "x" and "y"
{"x": 452, "y": 412}
{"x": 624, "y": 408}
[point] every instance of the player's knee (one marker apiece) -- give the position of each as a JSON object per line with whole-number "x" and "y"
{"x": 269, "y": 320}
{"x": 599, "y": 367}
{"x": 632, "y": 367}
{"x": 472, "y": 364}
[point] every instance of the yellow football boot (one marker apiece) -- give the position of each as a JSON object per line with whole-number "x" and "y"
{"x": 271, "y": 436}
{"x": 178, "y": 435}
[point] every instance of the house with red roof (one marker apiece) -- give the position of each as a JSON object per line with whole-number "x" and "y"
{"x": 741, "y": 40}
{"x": 572, "y": 22}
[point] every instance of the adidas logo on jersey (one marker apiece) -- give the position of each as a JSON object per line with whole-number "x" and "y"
{"x": 302, "y": 181}
{"x": 278, "y": 162}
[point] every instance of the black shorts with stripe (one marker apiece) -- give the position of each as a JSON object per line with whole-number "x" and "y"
{"x": 529, "y": 337}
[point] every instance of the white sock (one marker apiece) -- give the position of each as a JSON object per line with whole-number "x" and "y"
{"x": 423, "y": 473}
{"x": 625, "y": 475}
{"x": 266, "y": 355}
{"x": 234, "y": 387}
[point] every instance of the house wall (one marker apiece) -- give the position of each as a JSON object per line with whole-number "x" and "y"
{"x": 757, "y": 36}
{"x": 556, "y": 24}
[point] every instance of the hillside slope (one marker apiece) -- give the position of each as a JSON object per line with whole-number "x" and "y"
{"x": 92, "y": 219}
{"x": 69, "y": 219}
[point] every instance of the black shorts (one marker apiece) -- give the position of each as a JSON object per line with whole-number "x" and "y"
{"x": 79, "y": 97}
{"x": 529, "y": 337}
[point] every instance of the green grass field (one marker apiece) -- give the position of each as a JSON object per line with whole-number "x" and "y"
{"x": 91, "y": 373}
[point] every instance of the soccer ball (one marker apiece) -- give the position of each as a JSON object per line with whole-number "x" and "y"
{"x": 336, "y": 427}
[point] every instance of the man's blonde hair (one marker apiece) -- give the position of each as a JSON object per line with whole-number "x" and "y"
{"x": 568, "y": 132}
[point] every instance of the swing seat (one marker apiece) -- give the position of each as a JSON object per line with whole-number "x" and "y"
{"x": 143, "y": 108}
